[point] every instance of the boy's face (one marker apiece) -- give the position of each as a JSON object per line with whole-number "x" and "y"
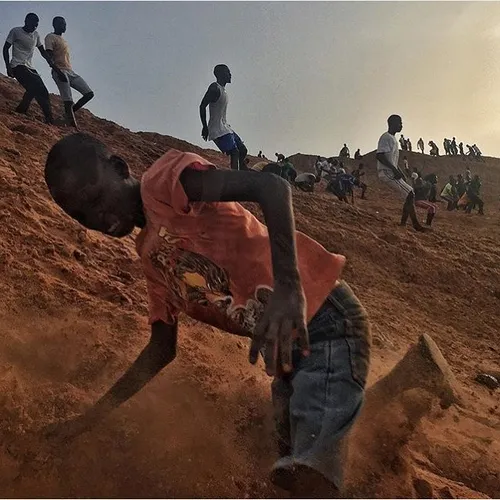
{"x": 111, "y": 204}
{"x": 100, "y": 194}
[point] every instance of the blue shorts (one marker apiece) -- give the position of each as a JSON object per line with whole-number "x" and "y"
{"x": 317, "y": 404}
{"x": 228, "y": 142}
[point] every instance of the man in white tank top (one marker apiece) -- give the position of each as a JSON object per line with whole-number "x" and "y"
{"x": 218, "y": 130}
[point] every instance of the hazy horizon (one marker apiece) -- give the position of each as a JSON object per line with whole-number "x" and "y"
{"x": 307, "y": 77}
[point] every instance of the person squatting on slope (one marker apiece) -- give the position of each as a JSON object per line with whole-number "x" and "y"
{"x": 449, "y": 194}
{"x": 312, "y": 330}
{"x": 218, "y": 130}
{"x": 305, "y": 182}
{"x": 473, "y": 190}
{"x": 390, "y": 173}
{"x": 58, "y": 51}
{"x": 24, "y": 40}
{"x": 283, "y": 168}
{"x": 422, "y": 190}
{"x": 432, "y": 179}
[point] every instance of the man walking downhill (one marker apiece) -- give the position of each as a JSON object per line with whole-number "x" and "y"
{"x": 58, "y": 50}
{"x": 23, "y": 41}
{"x": 390, "y": 173}
{"x": 218, "y": 130}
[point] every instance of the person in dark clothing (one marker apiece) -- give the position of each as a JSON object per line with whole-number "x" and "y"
{"x": 357, "y": 174}
{"x": 432, "y": 180}
{"x": 461, "y": 187}
{"x": 283, "y": 169}
{"x": 422, "y": 190}
{"x": 454, "y": 149}
{"x": 339, "y": 186}
{"x": 473, "y": 194}
{"x": 358, "y": 155}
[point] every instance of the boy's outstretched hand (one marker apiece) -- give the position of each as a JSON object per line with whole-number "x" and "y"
{"x": 283, "y": 322}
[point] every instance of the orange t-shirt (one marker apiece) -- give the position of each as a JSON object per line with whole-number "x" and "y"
{"x": 212, "y": 261}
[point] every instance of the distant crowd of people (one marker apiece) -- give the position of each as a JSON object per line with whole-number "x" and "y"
{"x": 419, "y": 191}
{"x": 339, "y": 181}
{"x": 451, "y": 148}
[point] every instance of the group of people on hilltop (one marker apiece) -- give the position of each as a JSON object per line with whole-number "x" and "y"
{"x": 419, "y": 191}
{"x": 344, "y": 153}
{"x": 451, "y": 148}
{"x": 405, "y": 143}
{"x": 23, "y": 40}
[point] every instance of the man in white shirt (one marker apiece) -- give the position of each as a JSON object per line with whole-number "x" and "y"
{"x": 58, "y": 50}
{"x": 23, "y": 41}
{"x": 217, "y": 129}
{"x": 391, "y": 174}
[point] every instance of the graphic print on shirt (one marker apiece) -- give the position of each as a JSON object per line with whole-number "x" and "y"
{"x": 195, "y": 279}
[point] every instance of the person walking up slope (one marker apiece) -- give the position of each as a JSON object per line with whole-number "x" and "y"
{"x": 217, "y": 129}
{"x": 58, "y": 50}
{"x": 390, "y": 173}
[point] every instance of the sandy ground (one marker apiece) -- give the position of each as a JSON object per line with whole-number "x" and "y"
{"x": 73, "y": 316}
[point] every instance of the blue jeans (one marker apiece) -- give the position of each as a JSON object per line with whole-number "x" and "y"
{"x": 317, "y": 404}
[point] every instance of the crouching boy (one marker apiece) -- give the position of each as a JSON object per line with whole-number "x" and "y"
{"x": 205, "y": 255}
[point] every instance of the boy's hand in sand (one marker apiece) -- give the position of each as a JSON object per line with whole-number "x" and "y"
{"x": 283, "y": 321}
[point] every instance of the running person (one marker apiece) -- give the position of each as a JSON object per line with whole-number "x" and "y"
{"x": 185, "y": 204}
{"x": 218, "y": 130}
{"x": 24, "y": 40}
{"x": 390, "y": 173}
{"x": 58, "y": 50}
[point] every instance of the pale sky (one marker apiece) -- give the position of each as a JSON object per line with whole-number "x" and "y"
{"x": 307, "y": 76}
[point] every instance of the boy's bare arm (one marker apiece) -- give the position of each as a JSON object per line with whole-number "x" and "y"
{"x": 211, "y": 95}
{"x": 285, "y": 316}
{"x": 160, "y": 351}
{"x": 6, "y": 58}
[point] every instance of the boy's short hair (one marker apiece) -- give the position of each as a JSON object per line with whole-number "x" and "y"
{"x": 218, "y": 69}
{"x": 71, "y": 167}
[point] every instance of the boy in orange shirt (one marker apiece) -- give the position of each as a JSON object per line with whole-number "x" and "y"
{"x": 197, "y": 245}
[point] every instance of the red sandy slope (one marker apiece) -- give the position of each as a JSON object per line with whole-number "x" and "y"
{"x": 72, "y": 317}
